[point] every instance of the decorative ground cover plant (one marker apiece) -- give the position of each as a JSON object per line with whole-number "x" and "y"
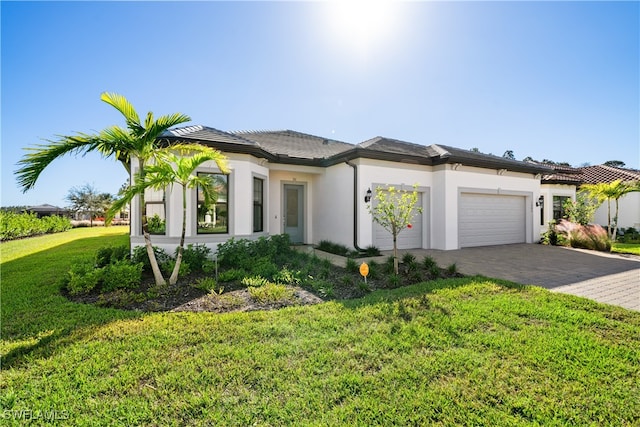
{"x": 244, "y": 275}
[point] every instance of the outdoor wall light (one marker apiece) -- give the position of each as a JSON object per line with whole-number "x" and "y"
{"x": 367, "y": 197}
{"x": 540, "y": 201}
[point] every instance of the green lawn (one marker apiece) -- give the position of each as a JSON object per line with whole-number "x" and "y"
{"x": 469, "y": 351}
{"x": 626, "y": 248}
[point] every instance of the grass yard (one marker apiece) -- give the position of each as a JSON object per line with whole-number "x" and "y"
{"x": 464, "y": 351}
{"x": 626, "y": 248}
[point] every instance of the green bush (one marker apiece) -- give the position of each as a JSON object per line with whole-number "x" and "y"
{"x": 82, "y": 277}
{"x": 288, "y": 277}
{"x": 207, "y": 284}
{"x": 140, "y": 256}
{"x": 324, "y": 288}
{"x": 17, "y": 226}
{"x": 196, "y": 256}
{"x": 254, "y": 281}
{"x": 428, "y": 262}
{"x": 111, "y": 255}
{"x": 156, "y": 225}
{"x": 168, "y": 266}
{"x": 232, "y": 275}
{"x": 333, "y": 248}
{"x": 452, "y": 269}
{"x": 243, "y": 253}
{"x": 264, "y": 267}
{"x": 352, "y": 266}
{"x": 271, "y": 293}
{"x": 121, "y": 275}
{"x": 371, "y": 251}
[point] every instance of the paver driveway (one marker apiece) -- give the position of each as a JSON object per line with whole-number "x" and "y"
{"x": 607, "y": 278}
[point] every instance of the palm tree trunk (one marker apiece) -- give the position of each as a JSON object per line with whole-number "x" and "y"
{"x": 176, "y": 269}
{"x": 614, "y": 235}
{"x": 609, "y": 217}
{"x": 155, "y": 268}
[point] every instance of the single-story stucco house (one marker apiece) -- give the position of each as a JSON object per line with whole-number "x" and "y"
{"x": 314, "y": 189}
{"x": 564, "y": 181}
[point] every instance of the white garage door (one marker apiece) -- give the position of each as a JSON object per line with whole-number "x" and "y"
{"x": 489, "y": 219}
{"x": 409, "y": 238}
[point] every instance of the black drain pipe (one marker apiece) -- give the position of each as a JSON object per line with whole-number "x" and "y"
{"x": 355, "y": 207}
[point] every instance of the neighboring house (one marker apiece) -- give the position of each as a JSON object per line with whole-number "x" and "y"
{"x": 47, "y": 210}
{"x": 629, "y": 205}
{"x": 314, "y": 189}
{"x": 563, "y": 182}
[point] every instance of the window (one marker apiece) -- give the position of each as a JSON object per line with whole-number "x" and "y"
{"x": 213, "y": 217}
{"x": 258, "y": 212}
{"x": 154, "y": 201}
{"x": 558, "y": 209}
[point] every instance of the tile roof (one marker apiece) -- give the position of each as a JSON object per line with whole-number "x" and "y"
{"x": 296, "y": 144}
{"x": 287, "y": 146}
{"x": 206, "y": 134}
{"x": 589, "y": 175}
{"x": 602, "y": 173}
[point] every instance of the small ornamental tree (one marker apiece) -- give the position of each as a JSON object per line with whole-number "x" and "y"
{"x": 394, "y": 209}
{"x": 582, "y": 210}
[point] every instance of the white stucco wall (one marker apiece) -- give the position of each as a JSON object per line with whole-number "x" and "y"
{"x": 333, "y": 205}
{"x": 486, "y": 181}
{"x": 328, "y": 200}
{"x": 240, "y": 204}
{"x": 628, "y": 211}
{"x": 377, "y": 172}
{"x": 279, "y": 175}
{"x": 548, "y": 191}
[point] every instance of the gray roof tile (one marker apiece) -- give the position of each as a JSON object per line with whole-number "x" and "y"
{"x": 296, "y": 144}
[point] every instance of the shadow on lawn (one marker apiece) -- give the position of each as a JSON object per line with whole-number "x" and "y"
{"x": 33, "y": 308}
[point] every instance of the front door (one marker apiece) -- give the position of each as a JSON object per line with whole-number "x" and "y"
{"x": 293, "y": 212}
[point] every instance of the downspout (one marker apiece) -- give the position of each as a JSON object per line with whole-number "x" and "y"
{"x": 355, "y": 207}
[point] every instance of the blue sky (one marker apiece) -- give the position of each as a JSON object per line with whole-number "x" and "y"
{"x": 554, "y": 80}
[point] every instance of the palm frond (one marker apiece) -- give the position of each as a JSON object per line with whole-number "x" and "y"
{"x": 40, "y": 156}
{"x": 125, "y": 108}
{"x": 163, "y": 123}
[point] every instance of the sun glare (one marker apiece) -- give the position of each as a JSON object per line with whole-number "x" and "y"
{"x": 362, "y": 25}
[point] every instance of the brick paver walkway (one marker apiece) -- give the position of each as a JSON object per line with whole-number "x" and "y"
{"x": 608, "y": 278}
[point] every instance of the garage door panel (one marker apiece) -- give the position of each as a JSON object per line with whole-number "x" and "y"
{"x": 489, "y": 219}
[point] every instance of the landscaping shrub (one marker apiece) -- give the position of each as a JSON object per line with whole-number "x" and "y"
{"x": 17, "y": 226}
{"x": 428, "y": 262}
{"x": 271, "y": 293}
{"x": 232, "y": 275}
{"x": 111, "y": 255}
{"x": 324, "y": 288}
{"x": 121, "y": 275}
{"x": 352, "y": 266}
{"x": 207, "y": 284}
{"x": 591, "y": 236}
{"x": 333, "y": 248}
{"x": 371, "y": 251}
{"x": 196, "y": 256}
{"x": 140, "y": 256}
{"x": 243, "y": 253}
{"x": 630, "y": 235}
{"x": 168, "y": 266}
{"x": 82, "y": 277}
{"x": 254, "y": 281}
{"x": 452, "y": 269}
{"x": 264, "y": 267}
{"x": 287, "y": 277}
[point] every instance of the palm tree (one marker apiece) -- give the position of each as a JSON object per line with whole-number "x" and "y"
{"x": 171, "y": 169}
{"x": 138, "y": 140}
{"x": 608, "y": 191}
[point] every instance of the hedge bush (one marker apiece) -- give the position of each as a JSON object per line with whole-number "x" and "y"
{"x": 17, "y": 226}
